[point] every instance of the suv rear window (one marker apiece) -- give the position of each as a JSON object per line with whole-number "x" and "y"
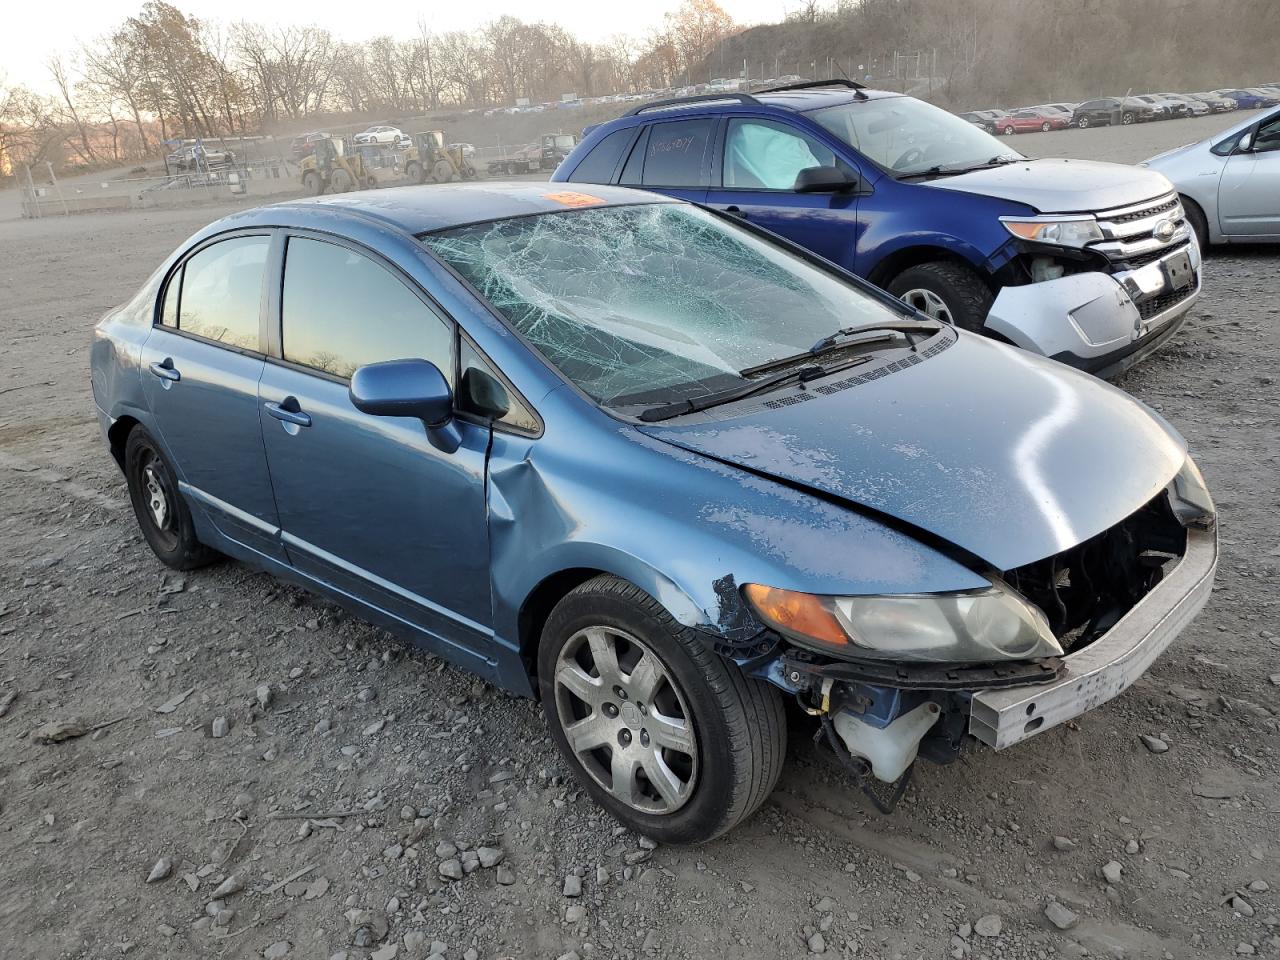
{"x": 673, "y": 153}
{"x": 598, "y": 165}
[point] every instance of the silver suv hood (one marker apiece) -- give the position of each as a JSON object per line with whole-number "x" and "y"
{"x": 1062, "y": 186}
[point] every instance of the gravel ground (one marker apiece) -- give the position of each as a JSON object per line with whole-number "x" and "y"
{"x": 299, "y": 784}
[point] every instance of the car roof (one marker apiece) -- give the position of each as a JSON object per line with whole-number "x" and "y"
{"x": 430, "y": 207}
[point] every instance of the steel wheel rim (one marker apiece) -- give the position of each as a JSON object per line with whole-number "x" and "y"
{"x": 626, "y": 720}
{"x": 929, "y": 303}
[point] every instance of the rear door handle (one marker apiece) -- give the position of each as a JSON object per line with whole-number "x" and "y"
{"x": 735, "y": 211}
{"x": 280, "y": 412}
{"x": 164, "y": 370}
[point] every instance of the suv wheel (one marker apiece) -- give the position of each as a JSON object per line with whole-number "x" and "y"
{"x": 945, "y": 291}
{"x": 162, "y": 514}
{"x": 1082, "y": 123}
{"x": 1126, "y": 118}
{"x": 671, "y": 739}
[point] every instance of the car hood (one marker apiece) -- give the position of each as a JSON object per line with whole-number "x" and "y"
{"x": 1006, "y": 455}
{"x": 1062, "y": 186}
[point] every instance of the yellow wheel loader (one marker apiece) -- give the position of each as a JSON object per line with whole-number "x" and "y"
{"x": 428, "y": 159}
{"x": 334, "y": 168}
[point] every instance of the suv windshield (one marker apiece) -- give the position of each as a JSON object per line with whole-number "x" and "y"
{"x": 908, "y": 136}
{"x": 653, "y": 302}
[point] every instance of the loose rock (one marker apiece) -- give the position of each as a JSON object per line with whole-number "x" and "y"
{"x": 162, "y": 869}
{"x": 572, "y": 886}
{"x": 1060, "y": 916}
{"x": 220, "y": 728}
{"x": 1112, "y": 870}
{"x": 1154, "y": 744}
{"x": 490, "y": 856}
{"x": 277, "y": 950}
{"x": 56, "y": 731}
{"x": 451, "y": 869}
{"x": 817, "y": 943}
{"x": 989, "y": 925}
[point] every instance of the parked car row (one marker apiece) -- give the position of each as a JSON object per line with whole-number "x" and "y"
{"x": 1134, "y": 108}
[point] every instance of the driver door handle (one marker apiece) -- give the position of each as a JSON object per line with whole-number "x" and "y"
{"x": 282, "y": 412}
{"x": 164, "y": 370}
{"x": 735, "y": 210}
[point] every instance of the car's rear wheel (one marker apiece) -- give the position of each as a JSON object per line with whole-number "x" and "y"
{"x": 1199, "y": 223}
{"x": 162, "y": 514}
{"x": 671, "y": 739}
{"x": 950, "y": 292}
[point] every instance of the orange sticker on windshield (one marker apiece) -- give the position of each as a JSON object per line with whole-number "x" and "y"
{"x": 572, "y": 199}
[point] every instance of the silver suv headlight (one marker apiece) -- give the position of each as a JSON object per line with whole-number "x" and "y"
{"x": 973, "y": 626}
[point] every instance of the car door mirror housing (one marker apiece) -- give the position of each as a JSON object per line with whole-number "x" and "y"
{"x": 483, "y": 394}
{"x": 826, "y": 179}
{"x": 403, "y": 388}
{"x": 1246, "y": 142}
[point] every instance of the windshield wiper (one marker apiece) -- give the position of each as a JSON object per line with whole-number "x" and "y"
{"x": 905, "y": 327}
{"x": 810, "y": 371}
{"x": 940, "y": 171}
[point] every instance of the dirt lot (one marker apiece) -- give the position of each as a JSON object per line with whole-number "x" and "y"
{"x": 333, "y": 807}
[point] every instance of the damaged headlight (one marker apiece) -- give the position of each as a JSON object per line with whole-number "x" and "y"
{"x": 1073, "y": 232}
{"x": 1189, "y": 497}
{"x": 974, "y": 626}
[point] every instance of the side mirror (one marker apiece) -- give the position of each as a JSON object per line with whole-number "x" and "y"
{"x": 482, "y": 394}
{"x": 1246, "y": 142}
{"x": 825, "y": 180}
{"x": 403, "y": 388}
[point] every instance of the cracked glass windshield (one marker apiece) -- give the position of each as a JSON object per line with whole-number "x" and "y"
{"x": 911, "y": 137}
{"x": 651, "y": 302}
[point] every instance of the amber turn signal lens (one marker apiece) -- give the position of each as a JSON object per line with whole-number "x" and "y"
{"x": 800, "y": 614}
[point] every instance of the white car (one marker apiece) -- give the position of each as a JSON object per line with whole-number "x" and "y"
{"x": 1230, "y": 182}
{"x": 388, "y": 135}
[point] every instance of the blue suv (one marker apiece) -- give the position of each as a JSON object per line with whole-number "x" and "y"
{"x": 1093, "y": 264}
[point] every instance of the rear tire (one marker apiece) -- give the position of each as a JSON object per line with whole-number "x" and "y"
{"x": 1199, "y": 223}
{"x": 414, "y": 172}
{"x": 945, "y": 291}
{"x": 732, "y": 729}
{"x": 340, "y": 181}
{"x": 312, "y": 183}
{"x": 162, "y": 514}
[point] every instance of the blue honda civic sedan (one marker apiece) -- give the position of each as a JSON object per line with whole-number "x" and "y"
{"x": 660, "y": 470}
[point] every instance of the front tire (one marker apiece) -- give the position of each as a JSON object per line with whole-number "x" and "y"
{"x": 162, "y": 514}
{"x": 1046, "y": 127}
{"x": 946, "y": 291}
{"x": 312, "y": 183}
{"x": 1008, "y": 131}
{"x": 1083, "y": 123}
{"x": 1199, "y": 224}
{"x": 671, "y": 739}
{"x": 1126, "y": 118}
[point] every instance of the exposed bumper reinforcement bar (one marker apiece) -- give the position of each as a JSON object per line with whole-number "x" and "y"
{"x": 1109, "y": 665}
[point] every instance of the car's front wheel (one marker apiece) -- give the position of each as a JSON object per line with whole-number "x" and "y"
{"x": 670, "y": 738}
{"x": 1199, "y": 224}
{"x": 946, "y": 291}
{"x": 1046, "y": 126}
{"x": 162, "y": 514}
{"x": 1083, "y": 123}
{"x": 1008, "y": 131}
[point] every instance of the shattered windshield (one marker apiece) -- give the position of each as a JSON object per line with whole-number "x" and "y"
{"x": 909, "y": 136}
{"x": 652, "y": 302}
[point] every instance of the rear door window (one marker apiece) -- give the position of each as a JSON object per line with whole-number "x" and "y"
{"x": 675, "y": 153}
{"x": 221, "y": 296}
{"x": 341, "y": 310}
{"x": 599, "y": 165}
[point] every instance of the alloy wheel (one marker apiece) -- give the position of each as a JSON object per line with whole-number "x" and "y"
{"x": 929, "y": 303}
{"x": 158, "y": 498}
{"x": 626, "y": 719}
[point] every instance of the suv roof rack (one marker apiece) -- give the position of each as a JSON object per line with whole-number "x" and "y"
{"x": 813, "y": 84}
{"x": 703, "y": 98}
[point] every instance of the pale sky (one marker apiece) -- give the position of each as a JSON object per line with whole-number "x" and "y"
{"x": 33, "y": 31}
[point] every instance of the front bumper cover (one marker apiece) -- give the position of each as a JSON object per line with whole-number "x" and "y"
{"x": 1098, "y": 322}
{"x": 1109, "y": 665}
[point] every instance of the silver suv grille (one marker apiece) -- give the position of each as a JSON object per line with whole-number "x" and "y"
{"x": 1130, "y": 232}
